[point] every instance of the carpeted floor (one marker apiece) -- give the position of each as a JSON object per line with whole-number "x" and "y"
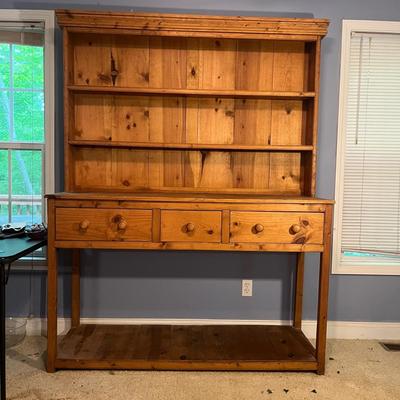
{"x": 355, "y": 370}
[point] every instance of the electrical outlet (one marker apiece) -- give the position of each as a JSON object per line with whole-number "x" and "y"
{"x": 247, "y": 287}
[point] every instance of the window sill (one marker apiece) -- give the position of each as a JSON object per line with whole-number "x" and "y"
{"x": 365, "y": 270}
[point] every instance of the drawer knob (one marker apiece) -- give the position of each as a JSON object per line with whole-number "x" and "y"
{"x": 122, "y": 225}
{"x": 295, "y": 228}
{"x": 258, "y": 228}
{"x": 189, "y": 227}
{"x": 84, "y": 225}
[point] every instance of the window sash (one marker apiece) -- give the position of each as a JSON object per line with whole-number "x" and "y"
{"x": 46, "y": 20}
{"x": 350, "y": 256}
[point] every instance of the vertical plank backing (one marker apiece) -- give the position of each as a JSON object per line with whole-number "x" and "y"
{"x": 288, "y": 75}
{"x": 93, "y": 168}
{"x": 217, "y": 63}
{"x": 130, "y": 168}
{"x": 252, "y": 117}
{"x": 286, "y": 129}
{"x": 215, "y": 121}
{"x": 167, "y": 62}
{"x": 93, "y": 117}
{"x": 92, "y": 59}
{"x": 130, "y": 119}
{"x": 288, "y": 66}
{"x": 131, "y": 60}
{"x": 211, "y": 65}
{"x": 168, "y": 70}
{"x": 254, "y": 65}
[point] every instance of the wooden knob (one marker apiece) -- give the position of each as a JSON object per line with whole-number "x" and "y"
{"x": 258, "y": 228}
{"x": 122, "y": 225}
{"x": 295, "y": 228}
{"x": 189, "y": 227}
{"x": 84, "y": 225}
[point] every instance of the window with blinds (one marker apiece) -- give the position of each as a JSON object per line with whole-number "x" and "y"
{"x": 367, "y": 224}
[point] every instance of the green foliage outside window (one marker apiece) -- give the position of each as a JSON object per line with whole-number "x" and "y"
{"x": 21, "y": 120}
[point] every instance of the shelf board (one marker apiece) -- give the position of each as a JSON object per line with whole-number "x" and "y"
{"x": 190, "y": 146}
{"x": 191, "y": 92}
{"x": 191, "y": 347}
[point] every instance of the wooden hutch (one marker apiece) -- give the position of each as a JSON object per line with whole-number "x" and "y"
{"x": 189, "y": 132}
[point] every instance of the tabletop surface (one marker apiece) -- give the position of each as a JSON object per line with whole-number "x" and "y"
{"x": 13, "y": 248}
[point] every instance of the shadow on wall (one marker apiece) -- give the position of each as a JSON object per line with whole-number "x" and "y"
{"x": 129, "y": 8}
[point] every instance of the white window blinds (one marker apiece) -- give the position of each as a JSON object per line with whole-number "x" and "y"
{"x": 371, "y": 173}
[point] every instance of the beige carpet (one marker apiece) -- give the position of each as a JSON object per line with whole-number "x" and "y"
{"x": 356, "y": 370}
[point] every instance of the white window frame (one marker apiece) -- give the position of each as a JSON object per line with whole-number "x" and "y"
{"x": 48, "y": 18}
{"x": 348, "y": 27}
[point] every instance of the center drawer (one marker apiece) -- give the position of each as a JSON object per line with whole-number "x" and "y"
{"x": 103, "y": 224}
{"x": 190, "y": 226}
{"x": 277, "y": 227}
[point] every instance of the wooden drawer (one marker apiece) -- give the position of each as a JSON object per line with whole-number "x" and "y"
{"x": 191, "y": 226}
{"x": 103, "y": 224}
{"x": 277, "y": 227}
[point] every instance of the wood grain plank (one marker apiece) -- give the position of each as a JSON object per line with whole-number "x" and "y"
{"x": 131, "y": 60}
{"x": 105, "y": 224}
{"x": 169, "y": 346}
{"x": 288, "y": 65}
{"x": 93, "y": 168}
{"x": 277, "y": 227}
{"x": 191, "y": 226}
{"x": 92, "y": 59}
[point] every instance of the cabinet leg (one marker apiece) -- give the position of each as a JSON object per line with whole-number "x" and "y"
{"x": 51, "y": 308}
{"x": 75, "y": 289}
{"x": 298, "y": 300}
{"x": 322, "y": 318}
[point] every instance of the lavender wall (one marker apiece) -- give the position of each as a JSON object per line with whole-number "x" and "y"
{"x": 207, "y": 285}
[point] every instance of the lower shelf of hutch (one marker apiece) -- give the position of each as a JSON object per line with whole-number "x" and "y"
{"x": 186, "y": 347}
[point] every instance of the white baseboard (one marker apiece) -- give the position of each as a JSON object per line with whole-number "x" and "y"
{"x": 336, "y": 329}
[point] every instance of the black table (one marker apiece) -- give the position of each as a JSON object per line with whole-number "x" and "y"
{"x": 10, "y": 250}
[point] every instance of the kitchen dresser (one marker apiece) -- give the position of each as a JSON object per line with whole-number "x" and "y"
{"x": 189, "y": 132}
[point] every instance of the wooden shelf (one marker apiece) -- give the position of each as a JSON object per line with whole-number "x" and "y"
{"x": 211, "y": 347}
{"x": 191, "y": 92}
{"x": 191, "y": 146}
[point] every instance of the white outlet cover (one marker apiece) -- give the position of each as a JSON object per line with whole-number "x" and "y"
{"x": 247, "y": 287}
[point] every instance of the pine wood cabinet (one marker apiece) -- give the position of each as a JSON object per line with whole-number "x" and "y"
{"x": 189, "y": 132}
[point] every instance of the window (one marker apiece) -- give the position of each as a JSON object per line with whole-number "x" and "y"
{"x": 367, "y": 217}
{"x": 26, "y": 114}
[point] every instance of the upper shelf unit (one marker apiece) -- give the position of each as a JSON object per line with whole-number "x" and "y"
{"x": 184, "y": 102}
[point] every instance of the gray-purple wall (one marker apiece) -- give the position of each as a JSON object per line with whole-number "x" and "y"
{"x": 206, "y": 284}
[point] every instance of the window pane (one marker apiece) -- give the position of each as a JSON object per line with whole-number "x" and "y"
{"x": 4, "y": 65}
{"x": 27, "y": 67}
{"x": 29, "y": 116}
{"x": 4, "y": 116}
{"x": 26, "y": 173}
{"x": 26, "y": 211}
{"x": 3, "y": 186}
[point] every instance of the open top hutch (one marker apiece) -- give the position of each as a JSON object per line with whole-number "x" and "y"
{"x": 189, "y": 132}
